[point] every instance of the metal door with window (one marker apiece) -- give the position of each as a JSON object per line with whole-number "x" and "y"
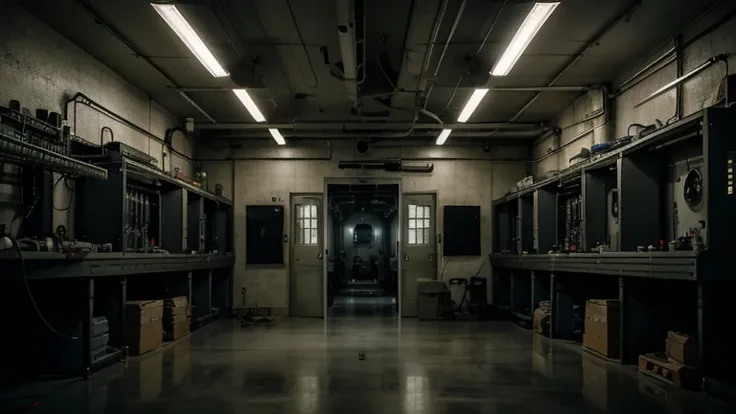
{"x": 419, "y": 247}
{"x": 305, "y": 287}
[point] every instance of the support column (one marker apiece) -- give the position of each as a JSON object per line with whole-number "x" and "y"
{"x": 87, "y": 327}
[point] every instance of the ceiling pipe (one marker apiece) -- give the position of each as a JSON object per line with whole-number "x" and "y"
{"x": 346, "y": 38}
{"x": 100, "y": 21}
{"x": 438, "y": 18}
{"x": 455, "y": 23}
{"x": 396, "y": 134}
{"x": 594, "y": 43}
{"x": 367, "y": 126}
{"x": 541, "y": 89}
{"x": 477, "y": 52}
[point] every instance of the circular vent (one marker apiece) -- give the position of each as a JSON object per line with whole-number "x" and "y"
{"x": 693, "y": 188}
{"x": 362, "y": 147}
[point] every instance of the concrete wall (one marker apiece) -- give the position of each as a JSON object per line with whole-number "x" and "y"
{"x": 623, "y": 112}
{"x": 462, "y": 176}
{"x": 42, "y": 69}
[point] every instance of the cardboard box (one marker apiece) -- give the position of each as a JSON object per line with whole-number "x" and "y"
{"x": 175, "y": 331}
{"x": 177, "y": 315}
{"x": 541, "y": 321}
{"x": 144, "y": 325}
{"x": 602, "y": 327}
{"x": 177, "y": 302}
{"x": 658, "y": 366}
{"x": 681, "y": 348}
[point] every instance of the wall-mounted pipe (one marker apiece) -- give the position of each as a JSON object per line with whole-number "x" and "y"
{"x": 80, "y": 98}
{"x": 710, "y": 62}
{"x": 573, "y": 140}
{"x": 665, "y": 59}
{"x": 607, "y": 29}
{"x": 105, "y": 25}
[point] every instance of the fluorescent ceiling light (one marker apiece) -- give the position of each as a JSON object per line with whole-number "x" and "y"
{"x": 443, "y": 136}
{"x": 528, "y": 29}
{"x": 277, "y": 136}
{"x": 242, "y": 94}
{"x": 473, "y": 103}
{"x": 181, "y": 27}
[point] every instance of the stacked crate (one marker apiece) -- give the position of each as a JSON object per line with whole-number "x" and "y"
{"x": 678, "y": 365}
{"x": 100, "y": 337}
{"x": 177, "y": 317}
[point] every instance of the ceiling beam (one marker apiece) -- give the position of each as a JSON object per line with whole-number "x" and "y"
{"x": 374, "y": 126}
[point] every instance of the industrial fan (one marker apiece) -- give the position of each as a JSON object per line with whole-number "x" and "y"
{"x": 693, "y": 188}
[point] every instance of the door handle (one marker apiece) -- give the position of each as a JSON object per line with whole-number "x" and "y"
{"x": 319, "y": 256}
{"x": 406, "y": 257}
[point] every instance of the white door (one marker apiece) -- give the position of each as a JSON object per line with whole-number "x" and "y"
{"x": 305, "y": 289}
{"x": 419, "y": 247}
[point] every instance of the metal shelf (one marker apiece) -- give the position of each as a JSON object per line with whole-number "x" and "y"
{"x": 155, "y": 173}
{"x": 690, "y": 124}
{"x": 658, "y": 265}
{"x": 16, "y": 151}
{"x": 49, "y": 265}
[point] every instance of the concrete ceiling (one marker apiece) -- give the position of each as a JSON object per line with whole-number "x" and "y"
{"x": 260, "y": 44}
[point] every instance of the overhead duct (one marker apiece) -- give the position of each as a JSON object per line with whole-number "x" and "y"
{"x": 346, "y": 37}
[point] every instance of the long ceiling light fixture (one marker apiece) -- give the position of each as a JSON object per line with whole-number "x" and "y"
{"x": 249, "y": 104}
{"x": 470, "y": 107}
{"x": 443, "y": 136}
{"x": 186, "y": 33}
{"x": 528, "y": 29}
{"x": 277, "y": 136}
{"x": 472, "y": 104}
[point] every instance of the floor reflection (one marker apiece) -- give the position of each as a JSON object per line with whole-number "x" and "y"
{"x": 409, "y": 367}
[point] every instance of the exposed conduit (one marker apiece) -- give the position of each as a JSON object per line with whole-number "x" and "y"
{"x": 594, "y": 43}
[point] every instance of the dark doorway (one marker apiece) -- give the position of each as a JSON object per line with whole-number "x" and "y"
{"x": 362, "y": 270}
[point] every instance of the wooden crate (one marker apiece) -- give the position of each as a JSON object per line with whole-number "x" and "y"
{"x": 656, "y": 365}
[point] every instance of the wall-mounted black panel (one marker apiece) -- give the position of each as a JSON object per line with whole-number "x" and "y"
{"x": 264, "y": 233}
{"x": 462, "y": 231}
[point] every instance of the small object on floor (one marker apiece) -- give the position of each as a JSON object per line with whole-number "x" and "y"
{"x": 656, "y": 365}
{"x": 361, "y": 356}
{"x": 465, "y": 316}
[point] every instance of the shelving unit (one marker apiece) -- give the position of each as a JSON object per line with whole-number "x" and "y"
{"x": 169, "y": 238}
{"x": 633, "y": 200}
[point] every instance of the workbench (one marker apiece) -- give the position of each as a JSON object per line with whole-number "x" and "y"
{"x": 70, "y": 290}
{"x": 689, "y": 289}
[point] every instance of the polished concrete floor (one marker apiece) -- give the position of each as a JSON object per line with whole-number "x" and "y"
{"x": 302, "y": 366}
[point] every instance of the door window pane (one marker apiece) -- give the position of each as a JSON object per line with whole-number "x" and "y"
{"x": 306, "y": 224}
{"x": 418, "y": 224}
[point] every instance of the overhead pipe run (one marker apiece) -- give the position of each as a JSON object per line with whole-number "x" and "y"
{"x": 625, "y": 15}
{"x": 99, "y": 20}
{"x": 346, "y": 38}
{"x": 541, "y": 89}
{"x": 371, "y": 126}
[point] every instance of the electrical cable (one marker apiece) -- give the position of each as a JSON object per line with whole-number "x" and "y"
{"x": 30, "y": 295}
{"x": 304, "y": 45}
{"x": 71, "y": 194}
